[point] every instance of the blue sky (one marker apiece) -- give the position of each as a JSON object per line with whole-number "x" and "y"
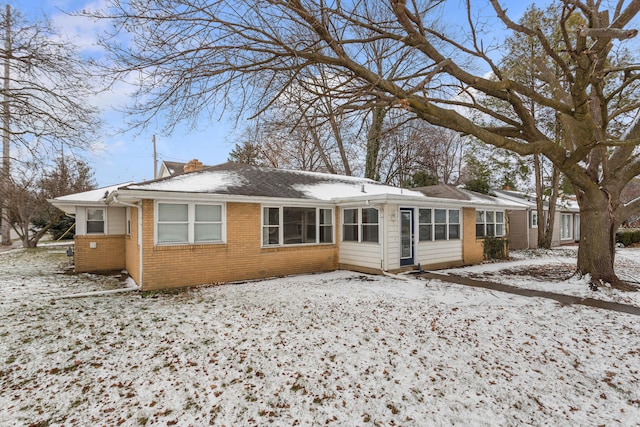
{"x": 129, "y": 156}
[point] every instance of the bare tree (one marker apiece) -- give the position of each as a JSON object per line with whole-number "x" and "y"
{"x": 45, "y": 91}
{"x": 33, "y": 184}
{"x": 195, "y": 52}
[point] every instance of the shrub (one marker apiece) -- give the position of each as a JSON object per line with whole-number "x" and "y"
{"x": 495, "y": 248}
{"x": 628, "y": 236}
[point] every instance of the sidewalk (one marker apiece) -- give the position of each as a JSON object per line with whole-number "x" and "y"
{"x": 562, "y": 299}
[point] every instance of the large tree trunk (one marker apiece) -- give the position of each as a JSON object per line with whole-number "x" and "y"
{"x": 596, "y": 253}
{"x": 374, "y": 139}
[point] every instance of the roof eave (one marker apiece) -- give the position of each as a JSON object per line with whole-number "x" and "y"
{"x": 137, "y": 195}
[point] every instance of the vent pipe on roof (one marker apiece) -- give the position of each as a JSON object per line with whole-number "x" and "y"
{"x": 362, "y": 188}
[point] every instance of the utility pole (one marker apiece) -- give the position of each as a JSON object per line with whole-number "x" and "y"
{"x": 6, "y": 116}
{"x": 155, "y": 159}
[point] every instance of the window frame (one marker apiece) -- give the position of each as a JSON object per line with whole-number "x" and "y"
{"x": 128, "y": 221}
{"x": 424, "y": 225}
{"x": 563, "y": 236}
{"x": 365, "y": 236}
{"x": 360, "y": 225}
{"x": 209, "y": 222}
{"x": 355, "y": 225}
{"x": 493, "y": 224}
{"x": 447, "y": 224}
{"x": 190, "y": 222}
{"x": 104, "y": 221}
{"x": 533, "y": 220}
{"x": 318, "y": 227}
{"x": 452, "y": 224}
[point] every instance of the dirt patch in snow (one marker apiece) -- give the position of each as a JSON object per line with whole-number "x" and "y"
{"x": 557, "y": 272}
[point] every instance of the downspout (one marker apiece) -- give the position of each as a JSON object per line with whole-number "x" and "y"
{"x": 382, "y": 238}
{"x": 138, "y": 206}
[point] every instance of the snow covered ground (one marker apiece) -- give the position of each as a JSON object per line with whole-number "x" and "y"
{"x": 328, "y": 349}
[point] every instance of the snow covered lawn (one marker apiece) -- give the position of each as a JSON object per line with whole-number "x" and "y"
{"x": 328, "y": 349}
{"x": 553, "y": 271}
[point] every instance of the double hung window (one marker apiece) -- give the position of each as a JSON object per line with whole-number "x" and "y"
{"x": 438, "y": 224}
{"x": 490, "y": 223}
{"x": 566, "y": 226}
{"x": 360, "y": 225}
{"x": 183, "y": 223}
{"x": 95, "y": 220}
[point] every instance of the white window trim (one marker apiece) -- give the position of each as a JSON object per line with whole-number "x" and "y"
{"x": 360, "y": 225}
{"x": 570, "y": 228}
{"x": 446, "y": 224}
{"x": 104, "y": 219}
{"x": 281, "y": 226}
{"x": 127, "y": 223}
{"x": 191, "y": 217}
{"x": 534, "y": 223}
{"x": 495, "y": 223}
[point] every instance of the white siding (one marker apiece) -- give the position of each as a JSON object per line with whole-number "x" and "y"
{"x": 391, "y": 238}
{"x": 360, "y": 254}
{"x": 439, "y": 251}
{"x": 81, "y": 221}
{"x": 116, "y": 221}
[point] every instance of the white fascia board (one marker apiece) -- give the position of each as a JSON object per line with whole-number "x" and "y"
{"x": 69, "y": 206}
{"x": 423, "y": 201}
{"x": 518, "y": 200}
{"x": 133, "y": 196}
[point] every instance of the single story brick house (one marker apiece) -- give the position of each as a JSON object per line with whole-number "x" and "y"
{"x": 234, "y": 222}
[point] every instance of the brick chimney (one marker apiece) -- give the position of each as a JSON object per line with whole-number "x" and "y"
{"x": 192, "y": 166}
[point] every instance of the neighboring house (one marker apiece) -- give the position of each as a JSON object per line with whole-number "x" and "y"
{"x": 523, "y": 223}
{"x": 236, "y": 222}
{"x": 631, "y": 192}
{"x": 176, "y": 168}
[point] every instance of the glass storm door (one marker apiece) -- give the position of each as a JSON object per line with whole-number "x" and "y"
{"x": 406, "y": 237}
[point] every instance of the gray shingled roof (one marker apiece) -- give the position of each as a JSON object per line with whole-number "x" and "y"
{"x": 247, "y": 180}
{"x": 445, "y": 191}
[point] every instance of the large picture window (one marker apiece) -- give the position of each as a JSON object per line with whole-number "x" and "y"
{"x": 183, "y": 223}
{"x": 438, "y": 224}
{"x": 95, "y": 221}
{"x": 290, "y": 225}
{"x": 489, "y": 223}
{"x": 360, "y": 225}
